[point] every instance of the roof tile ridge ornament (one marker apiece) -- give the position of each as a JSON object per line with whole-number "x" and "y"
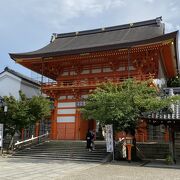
{"x": 158, "y": 20}
{"x": 53, "y": 37}
{"x": 103, "y": 29}
{"x": 131, "y": 24}
{"x": 6, "y": 68}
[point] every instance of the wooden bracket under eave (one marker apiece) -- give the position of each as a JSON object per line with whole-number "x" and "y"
{"x": 19, "y": 60}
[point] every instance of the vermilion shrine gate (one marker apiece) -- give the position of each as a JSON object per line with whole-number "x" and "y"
{"x": 78, "y": 62}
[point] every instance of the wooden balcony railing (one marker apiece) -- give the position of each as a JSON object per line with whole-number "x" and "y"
{"x": 89, "y": 83}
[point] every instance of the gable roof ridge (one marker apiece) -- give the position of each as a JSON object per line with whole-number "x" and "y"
{"x": 156, "y": 21}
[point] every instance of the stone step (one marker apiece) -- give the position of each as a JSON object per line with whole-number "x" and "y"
{"x": 63, "y": 155}
{"x": 83, "y": 150}
{"x": 59, "y": 153}
{"x": 56, "y": 150}
{"x": 61, "y": 158}
{"x": 63, "y": 147}
{"x": 68, "y": 145}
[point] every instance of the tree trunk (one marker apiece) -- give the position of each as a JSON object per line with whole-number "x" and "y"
{"x": 11, "y": 143}
{"x": 10, "y": 147}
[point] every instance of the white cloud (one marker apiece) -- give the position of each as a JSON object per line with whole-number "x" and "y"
{"x": 59, "y": 12}
{"x": 171, "y": 27}
{"x": 28, "y": 24}
{"x": 150, "y": 1}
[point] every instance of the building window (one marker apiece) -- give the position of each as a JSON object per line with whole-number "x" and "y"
{"x": 107, "y": 69}
{"x": 97, "y": 70}
{"x": 85, "y": 71}
{"x": 121, "y": 68}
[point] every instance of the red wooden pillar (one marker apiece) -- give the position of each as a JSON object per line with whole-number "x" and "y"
{"x": 52, "y": 117}
{"x": 77, "y": 124}
{"x": 54, "y": 121}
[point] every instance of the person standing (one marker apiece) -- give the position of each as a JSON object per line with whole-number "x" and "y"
{"x": 93, "y": 139}
{"x": 89, "y": 140}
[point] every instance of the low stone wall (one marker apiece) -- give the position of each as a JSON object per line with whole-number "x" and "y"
{"x": 152, "y": 150}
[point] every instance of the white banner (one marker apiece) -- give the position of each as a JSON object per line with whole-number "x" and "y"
{"x": 109, "y": 138}
{"x": 1, "y": 135}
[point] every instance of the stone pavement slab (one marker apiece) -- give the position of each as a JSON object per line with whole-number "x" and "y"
{"x": 124, "y": 171}
{"x": 29, "y": 169}
{"x": 161, "y": 164}
{"x": 33, "y": 169}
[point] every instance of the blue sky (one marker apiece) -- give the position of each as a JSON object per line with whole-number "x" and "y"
{"x": 27, "y": 25}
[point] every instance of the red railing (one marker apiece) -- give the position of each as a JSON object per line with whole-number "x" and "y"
{"x": 83, "y": 83}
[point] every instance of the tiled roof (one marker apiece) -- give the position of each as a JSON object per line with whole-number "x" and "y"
{"x": 115, "y": 37}
{"x": 168, "y": 114}
{"x": 26, "y": 78}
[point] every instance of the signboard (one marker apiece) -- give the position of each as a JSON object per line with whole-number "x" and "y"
{"x": 109, "y": 138}
{"x": 80, "y": 103}
{"x": 1, "y": 135}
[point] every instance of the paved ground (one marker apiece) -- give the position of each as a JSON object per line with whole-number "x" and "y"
{"x": 125, "y": 171}
{"x": 24, "y": 169}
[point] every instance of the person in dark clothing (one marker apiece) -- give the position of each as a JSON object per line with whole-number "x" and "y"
{"x": 89, "y": 140}
{"x": 93, "y": 139}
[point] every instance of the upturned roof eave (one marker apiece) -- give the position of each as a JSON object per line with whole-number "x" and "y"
{"x": 172, "y": 35}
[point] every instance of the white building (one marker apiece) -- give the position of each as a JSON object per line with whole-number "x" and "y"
{"x": 11, "y": 82}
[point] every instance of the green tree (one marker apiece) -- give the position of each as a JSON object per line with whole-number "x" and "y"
{"x": 22, "y": 113}
{"x": 122, "y": 105}
{"x": 174, "y": 82}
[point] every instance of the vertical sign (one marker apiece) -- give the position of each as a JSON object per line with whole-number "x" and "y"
{"x": 1, "y": 135}
{"x": 109, "y": 138}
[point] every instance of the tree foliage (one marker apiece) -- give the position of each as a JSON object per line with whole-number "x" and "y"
{"x": 174, "y": 82}
{"x": 22, "y": 113}
{"x": 122, "y": 105}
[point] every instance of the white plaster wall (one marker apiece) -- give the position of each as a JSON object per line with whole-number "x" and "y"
{"x": 30, "y": 89}
{"x": 62, "y": 97}
{"x": 9, "y": 85}
{"x": 121, "y": 68}
{"x": 66, "y": 119}
{"x": 66, "y": 104}
{"x": 97, "y": 70}
{"x": 107, "y": 69}
{"x": 66, "y": 111}
{"x": 85, "y": 71}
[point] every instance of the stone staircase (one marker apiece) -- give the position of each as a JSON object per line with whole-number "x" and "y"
{"x": 65, "y": 150}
